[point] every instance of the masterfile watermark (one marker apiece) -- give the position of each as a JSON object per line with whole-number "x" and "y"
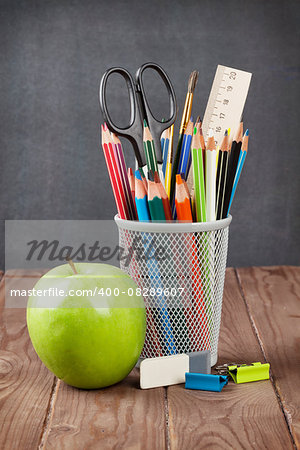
{"x": 32, "y": 248}
{"x": 46, "y": 244}
{"x": 55, "y": 251}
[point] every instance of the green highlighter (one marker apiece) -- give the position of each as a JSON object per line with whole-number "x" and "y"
{"x": 246, "y": 373}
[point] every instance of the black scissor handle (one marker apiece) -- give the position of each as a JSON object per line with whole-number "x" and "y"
{"x": 133, "y": 132}
{"x": 156, "y": 125}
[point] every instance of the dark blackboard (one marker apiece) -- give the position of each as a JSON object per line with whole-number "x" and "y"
{"x": 52, "y": 57}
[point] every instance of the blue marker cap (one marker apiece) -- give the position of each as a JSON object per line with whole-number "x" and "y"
{"x": 202, "y": 382}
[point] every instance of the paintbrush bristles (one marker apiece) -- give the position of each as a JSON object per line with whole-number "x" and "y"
{"x": 193, "y": 81}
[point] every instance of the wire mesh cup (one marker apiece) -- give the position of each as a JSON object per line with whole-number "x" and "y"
{"x": 180, "y": 270}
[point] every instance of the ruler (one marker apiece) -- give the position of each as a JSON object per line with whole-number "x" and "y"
{"x": 226, "y": 102}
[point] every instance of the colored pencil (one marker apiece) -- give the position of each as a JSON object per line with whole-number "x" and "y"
{"x": 165, "y": 140}
{"x": 198, "y": 123}
{"x": 210, "y": 178}
{"x": 182, "y": 201}
{"x": 185, "y": 185}
{"x": 197, "y": 312}
{"x": 141, "y": 198}
{"x": 132, "y": 186}
{"x": 198, "y": 174}
{"x": 162, "y": 139}
{"x": 190, "y": 178}
{"x": 114, "y": 173}
{"x": 145, "y": 182}
{"x": 222, "y": 175}
{"x": 131, "y": 181}
{"x": 124, "y": 175}
{"x": 186, "y": 115}
{"x": 168, "y": 174}
{"x": 184, "y": 162}
{"x": 164, "y": 197}
{"x": 241, "y": 162}
{"x": 149, "y": 148}
{"x": 155, "y": 279}
{"x": 232, "y": 166}
{"x": 155, "y": 203}
{"x": 202, "y": 144}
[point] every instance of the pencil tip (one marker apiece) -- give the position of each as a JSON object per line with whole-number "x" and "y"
{"x": 140, "y": 169}
{"x": 150, "y": 175}
{"x": 226, "y": 133}
{"x": 138, "y": 175}
{"x": 105, "y": 126}
{"x": 178, "y": 178}
{"x": 145, "y": 123}
{"x": 156, "y": 177}
{"x": 247, "y": 132}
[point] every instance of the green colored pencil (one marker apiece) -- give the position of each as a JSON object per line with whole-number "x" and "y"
{"x": 149, "y": 149}
{"x": 198, "y": 173}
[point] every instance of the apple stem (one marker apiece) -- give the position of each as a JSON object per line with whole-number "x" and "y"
{"x": 72, "y": 265}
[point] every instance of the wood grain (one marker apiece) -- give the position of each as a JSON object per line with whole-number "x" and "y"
{"x": 121, "y": 416}
{"x": 37, "y": 410}
{"x": 241, "y": 416}
{"x": 25, "y": 383}
{"x": 272, "y": 295}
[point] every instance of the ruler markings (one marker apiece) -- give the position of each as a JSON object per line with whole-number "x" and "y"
{"x": 233, "y": 96}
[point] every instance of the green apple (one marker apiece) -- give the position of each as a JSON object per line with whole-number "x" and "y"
{"x": 87, "y": 327}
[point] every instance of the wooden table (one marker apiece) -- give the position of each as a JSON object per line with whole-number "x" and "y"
{"x": 260, "y": 322}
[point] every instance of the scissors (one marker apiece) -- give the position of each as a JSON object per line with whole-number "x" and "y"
{"x": 139, "y": 110}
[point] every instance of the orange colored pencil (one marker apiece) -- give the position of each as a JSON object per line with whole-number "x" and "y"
{"x": 197, "y": 310}
{"x": 182, "y": 201}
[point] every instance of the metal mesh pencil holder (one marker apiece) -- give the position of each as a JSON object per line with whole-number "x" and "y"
{"x": 180, "y": 270}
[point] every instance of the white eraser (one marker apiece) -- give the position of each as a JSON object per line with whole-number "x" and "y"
{"x": 163, "y": 371}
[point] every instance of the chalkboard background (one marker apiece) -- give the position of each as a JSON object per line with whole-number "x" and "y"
{"x": 53, "y": 54}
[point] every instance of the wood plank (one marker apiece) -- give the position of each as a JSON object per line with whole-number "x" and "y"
{"x": 273, "y": 298}
{"x": 19, "y": 280}
{"x": 121, "y": 416}
{"x": 241, "y": 416}
{"x": 25, "y": 383}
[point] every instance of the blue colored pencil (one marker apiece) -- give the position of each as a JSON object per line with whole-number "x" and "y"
{"x": 165, "y": 140}
{"x": 241, "y": 162}
{"x": 141, "y": 201}
{"x": 185, "y": 155}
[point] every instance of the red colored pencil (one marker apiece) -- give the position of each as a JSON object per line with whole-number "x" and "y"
{"x": 114, "y": 173}
{"x": 117, "y": 146}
